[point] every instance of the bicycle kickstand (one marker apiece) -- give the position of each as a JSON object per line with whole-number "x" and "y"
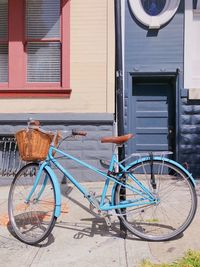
{"x": 108, "y": 220}
{"x": 153, "y": 181}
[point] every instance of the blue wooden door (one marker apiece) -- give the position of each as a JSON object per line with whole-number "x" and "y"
{"x": 152, "y": 117}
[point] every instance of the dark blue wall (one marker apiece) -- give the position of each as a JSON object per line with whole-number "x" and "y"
{"x": 153, "y": 50}
{"x": 162, "y": 51}
{"x": 157, "y": 51}
{"x": 189, "y": 140}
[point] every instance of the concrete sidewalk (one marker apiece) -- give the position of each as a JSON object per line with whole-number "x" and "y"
{"x": 80, "y": 239}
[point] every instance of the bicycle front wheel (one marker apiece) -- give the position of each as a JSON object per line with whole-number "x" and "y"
{"x": 171, "y": 214}
{"x": 32, "y": 219}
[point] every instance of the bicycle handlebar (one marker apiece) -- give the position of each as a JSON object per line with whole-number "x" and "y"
{"x": 75, "y": 132}
{"x": 35, "y": 124}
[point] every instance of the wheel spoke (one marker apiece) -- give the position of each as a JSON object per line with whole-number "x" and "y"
{"x": 31, "y": 221}
{"x": 174, "y": 209}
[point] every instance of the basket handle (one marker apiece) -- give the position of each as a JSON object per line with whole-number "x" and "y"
{"x": 32, "y": 122}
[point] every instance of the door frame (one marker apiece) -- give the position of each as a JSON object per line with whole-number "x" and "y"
{"x": 174, "y": 75}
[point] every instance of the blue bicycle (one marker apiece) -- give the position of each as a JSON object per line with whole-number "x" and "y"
{"x": 153, "y": 197}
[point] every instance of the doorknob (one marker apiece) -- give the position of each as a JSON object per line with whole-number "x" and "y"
{"x": 171, "y": 138}
{"x": 170, "y": 130}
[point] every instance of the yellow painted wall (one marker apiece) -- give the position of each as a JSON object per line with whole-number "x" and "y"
{"x": 92, "y": 64}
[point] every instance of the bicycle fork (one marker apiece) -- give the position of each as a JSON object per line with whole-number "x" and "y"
{"x": 57, "y": 211}
{"x": 37, "y": 179}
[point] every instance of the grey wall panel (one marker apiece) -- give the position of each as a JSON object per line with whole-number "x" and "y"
{"x": 88, "y": 149}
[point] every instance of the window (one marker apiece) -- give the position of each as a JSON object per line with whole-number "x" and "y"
{"x": 34, "y": 48}
{"x": 43, "y": 41}
{"x": 3, "y": 41}
{"x": 154, "y": 13}
{"x": 153, "y": 7}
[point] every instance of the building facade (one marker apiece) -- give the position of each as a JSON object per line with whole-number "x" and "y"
{"x": 162, "y": 77}
{"x": 57, "y": 65}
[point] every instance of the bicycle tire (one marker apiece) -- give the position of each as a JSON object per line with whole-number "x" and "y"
{"x": 172, "y": 215}
{"x": 31, "y": 222}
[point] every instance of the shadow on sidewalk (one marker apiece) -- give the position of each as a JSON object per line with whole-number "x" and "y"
{"x": 89, "y": 227}
{"x": 48, "y": 241}
{"x": 96, "y": 225}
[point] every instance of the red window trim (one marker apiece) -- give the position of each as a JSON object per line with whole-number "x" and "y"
{"x": 17, "y": 85}
{"x": 35, "y": 92}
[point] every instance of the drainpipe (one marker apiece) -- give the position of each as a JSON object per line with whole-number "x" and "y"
{"x": 119, "y": 93}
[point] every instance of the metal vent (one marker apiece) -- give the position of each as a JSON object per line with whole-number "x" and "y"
{"x": 10, "y": 161}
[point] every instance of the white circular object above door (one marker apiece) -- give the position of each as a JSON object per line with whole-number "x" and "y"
{"x": 154, "y": 13}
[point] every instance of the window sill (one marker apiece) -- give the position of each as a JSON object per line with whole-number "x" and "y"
{"x": 35, "y": 93}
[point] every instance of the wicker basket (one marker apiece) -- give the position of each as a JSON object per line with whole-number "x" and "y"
{"x": 33, "y": 144}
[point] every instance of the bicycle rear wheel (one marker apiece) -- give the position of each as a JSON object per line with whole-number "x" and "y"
{"x": 176, "y": 206}
{"x": 33, "y": 220}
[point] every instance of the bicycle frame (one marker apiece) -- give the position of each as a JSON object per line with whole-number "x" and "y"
{"x": 146, "y": 198}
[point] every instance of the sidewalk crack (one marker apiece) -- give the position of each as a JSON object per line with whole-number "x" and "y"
{"x": 125, "y": 252}
{"x": 153, "y": 258}
{"x": 34, "y": 257}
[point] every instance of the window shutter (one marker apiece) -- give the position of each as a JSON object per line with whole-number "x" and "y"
{"x": 3, "y": 19}
{"x": 3, "y": 62}
{"x": 43, "y": 62}
{"x": 42, "y": 19}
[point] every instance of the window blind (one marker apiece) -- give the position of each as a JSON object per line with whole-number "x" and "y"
{"x": 42, "y": 19}
{"x": 44, "y": 58}
{"x": 3, "y": 62}
{"x": 43, "y": 62}
{"x": 3, "y": 19}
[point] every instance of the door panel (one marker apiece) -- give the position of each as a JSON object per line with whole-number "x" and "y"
{"x": 153, "y": 114}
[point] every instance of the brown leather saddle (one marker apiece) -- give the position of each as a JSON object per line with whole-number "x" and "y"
{"x": 118, "y": 140}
